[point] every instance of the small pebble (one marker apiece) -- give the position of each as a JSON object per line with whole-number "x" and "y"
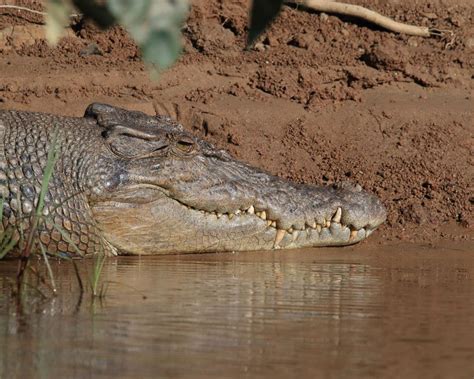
{"x": 412, "y": 41}
{"x": 259, "y": 46}
{"x": 470, "y": 43}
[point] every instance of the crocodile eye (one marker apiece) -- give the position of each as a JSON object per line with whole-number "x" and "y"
{"x": 134, "y": 143}
{"x": 186, "y": 145}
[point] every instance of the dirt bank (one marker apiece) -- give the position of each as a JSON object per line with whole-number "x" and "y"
{"x": 320, "y": 99}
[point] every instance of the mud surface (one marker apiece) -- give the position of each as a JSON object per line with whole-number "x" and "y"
{"x": 320, "y": 98}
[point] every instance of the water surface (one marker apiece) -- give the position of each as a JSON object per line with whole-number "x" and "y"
{"x": 398, "y": 311}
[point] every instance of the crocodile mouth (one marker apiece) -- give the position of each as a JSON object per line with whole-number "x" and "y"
{"x": 327, "y": 231}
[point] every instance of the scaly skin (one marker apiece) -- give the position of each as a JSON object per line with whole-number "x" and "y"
{"x": 135, "y": 184}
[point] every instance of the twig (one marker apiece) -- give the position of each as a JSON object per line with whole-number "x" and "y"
{"x": 32, "y": 10}
{"x": 22, "y": 9}
{"x": 373, "y": 17}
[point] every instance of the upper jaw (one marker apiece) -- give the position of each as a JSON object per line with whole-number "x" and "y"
{"x": 235, "y": 188}
{"x": 339, "y": 214}
{"x": 288, "y": 206}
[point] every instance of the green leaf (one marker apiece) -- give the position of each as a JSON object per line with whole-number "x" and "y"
{"x": 7, "y": 243}
{"x": 56, "y": 19}
{"x": 162, "y": 47}
{"x": 130, "y": 13}
{"x": 262, "y": 14}
{"x": 155, "y": 25}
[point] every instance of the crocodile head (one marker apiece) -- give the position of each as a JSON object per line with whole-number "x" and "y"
{"x": 166, "y": 190}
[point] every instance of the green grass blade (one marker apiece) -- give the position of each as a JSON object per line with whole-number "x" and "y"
{"x": 98, "y": 266}
{"x": 48, "y": 266}
{"x": 53, "y": 154}
{"x": 7, "y": 243}
{"x": 20, "y": 218}
{"x": 36, "y": 218}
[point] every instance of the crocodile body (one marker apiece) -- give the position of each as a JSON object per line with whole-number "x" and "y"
{"x": 126, "y": 182}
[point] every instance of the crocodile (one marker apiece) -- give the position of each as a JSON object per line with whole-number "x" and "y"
{"x": 129, "y": 183}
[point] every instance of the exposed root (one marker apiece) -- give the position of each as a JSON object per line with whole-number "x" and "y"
{"x": 368, "y": 15}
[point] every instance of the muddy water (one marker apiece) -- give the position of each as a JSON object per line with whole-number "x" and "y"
{"x": 398, "y": 311}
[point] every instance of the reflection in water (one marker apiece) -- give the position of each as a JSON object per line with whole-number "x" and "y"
{"x": 327, "y": 312}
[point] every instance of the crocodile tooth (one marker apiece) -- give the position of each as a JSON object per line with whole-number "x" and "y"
{"x": 353, "y": 235}
{"x": 314, "y": 226}
{"x": 295, "y": 235}
{"x": 258, "y": 214}
{"x": 290, "y": 230}
{"x": 274, "y": 224}
{"x": 263, "y": 215}
{"x": 237, "y": 211}
{"x": 337, "y": 215}
{"x": 269, "y": 222}
{"x": 328, "y": 224}
{"x": 279, "y": 236}
{"x": 218, "y": 215}
{"x": 251, "y": 210}
{"x": 318, "y": 227}
{"x": 231, "y": 216}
